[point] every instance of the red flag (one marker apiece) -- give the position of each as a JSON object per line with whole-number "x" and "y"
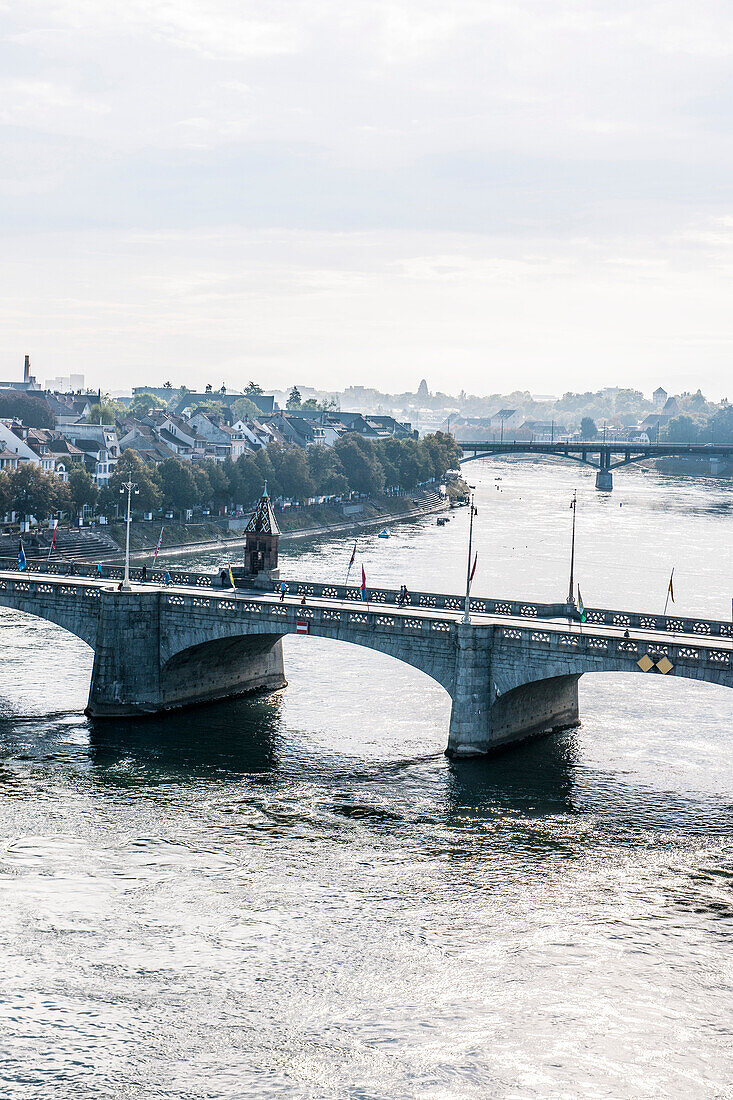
{"x": 363, "y": 583}
{"x": 474, "y": 567}
{"x": 55, "y": 532}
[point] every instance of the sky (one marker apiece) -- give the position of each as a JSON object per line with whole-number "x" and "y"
{"x": 489, "y": 194}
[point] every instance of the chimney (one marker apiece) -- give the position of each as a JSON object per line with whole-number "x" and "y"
{"x": 27, "y": 369}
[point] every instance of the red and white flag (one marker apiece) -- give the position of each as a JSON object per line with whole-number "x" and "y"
{"x": 363, "y": 583}
{"x": 301, "y": 627}
{"x": 52, "y": 547}
{"x": 157, "y": 548}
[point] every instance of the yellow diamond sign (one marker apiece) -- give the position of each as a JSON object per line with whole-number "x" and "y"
{"x": 645, "y": 663}
{"x": 665, "y": 665}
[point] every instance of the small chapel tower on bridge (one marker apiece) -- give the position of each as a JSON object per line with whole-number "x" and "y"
{"x": 262, "y": 535}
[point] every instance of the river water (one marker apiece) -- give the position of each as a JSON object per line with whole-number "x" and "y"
{"x": 300, "y": 896}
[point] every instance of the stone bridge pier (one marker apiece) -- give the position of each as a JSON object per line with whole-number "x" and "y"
{"x": 482, "y": 718}
{"x": 147, "y": 659}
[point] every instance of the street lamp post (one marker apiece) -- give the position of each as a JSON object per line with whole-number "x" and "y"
{"x": 573, "y": 505}
{"x": 466, "y": 615}
{"x": 131, "y": 488}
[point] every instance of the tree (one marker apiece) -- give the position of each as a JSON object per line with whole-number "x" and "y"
{"x": 203, "y": 486}
{"x": 32, "y": 492}
{"x": 414, "y": 464}
{"x": 82, "y": 489}
{"x": 220, "y": 488}
{"x": 253, "y": 390}
{"x": 103, "y": 413}
{"x": 361, "y": 466}
{"x": 588, "y": 429}
{"x": 167, "y": 385}
{"x": 30, "y": 409}
{"x": 6, "y": 503}
{"x": 247, "y": 486}
{"x": 130, "y": 467}
{"x": 267, "y": 473}
{"x": 291, "y": 470}
{"x": 294, "y": 401}
{"x": 142, "y": 403}
{"x": 326, "y": 471}
{"x": 442, "y": 452}
{"x": 681, "y": 429}
{"x": 244, "y": 409}
{"x": 179, "y": 487}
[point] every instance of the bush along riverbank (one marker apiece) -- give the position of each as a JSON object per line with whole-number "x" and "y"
{"x": 304, "y": 522}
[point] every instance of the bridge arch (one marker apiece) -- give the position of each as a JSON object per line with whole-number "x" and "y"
{"x": 80, "y": 621}
{"x": 244, "y": 641}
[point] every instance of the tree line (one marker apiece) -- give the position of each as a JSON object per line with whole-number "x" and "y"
{"x": 352, "y": 465}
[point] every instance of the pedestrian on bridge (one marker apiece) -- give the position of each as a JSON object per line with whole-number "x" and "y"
{"x": 166, "y": 578}
{"x": 282, "y": 591}
{"x": 144, "y": 574}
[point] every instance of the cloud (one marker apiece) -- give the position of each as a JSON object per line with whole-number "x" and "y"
{"x": 540, "y": 153}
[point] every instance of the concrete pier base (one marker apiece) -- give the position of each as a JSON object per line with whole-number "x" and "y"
{"x": 604, "y": 481}
{"x": 482, "y": 722}
{"x": 131, "y": 677}
{"x": 469, "y": 733}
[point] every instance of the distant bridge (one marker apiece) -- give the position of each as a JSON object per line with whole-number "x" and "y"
{"x": 511, "y": 672}
{"x": 603, "y": 457}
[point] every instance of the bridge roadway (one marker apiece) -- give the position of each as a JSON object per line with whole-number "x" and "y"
{"x": 510, "y": 674}
{"x": 595, "y": 453}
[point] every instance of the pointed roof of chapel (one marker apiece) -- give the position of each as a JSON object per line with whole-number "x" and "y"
{"x": 263, "y": 520}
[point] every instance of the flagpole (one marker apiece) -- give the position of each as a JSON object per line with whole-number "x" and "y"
{"x": 669, "y": 591}
{"x": 157, "y": 548}
{"x": 353, "y": 558}
{"x": 573, "y": 505}
{"x": 466, "y": 614}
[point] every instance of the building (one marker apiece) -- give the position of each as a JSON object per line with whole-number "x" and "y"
{"x": 27, "y": 385}
{"x": 262, "y": 536}
{"x": 71, "y": 383}
{"x": 504, "y": 420}
{"x": 11, "y": 441}
{"x": 659, "y": 398}
{"x": 56, "y": 454}
{"x": 100, "y": 447}
{"x": 68, "y": 409}
{"x": 538, "y": 431}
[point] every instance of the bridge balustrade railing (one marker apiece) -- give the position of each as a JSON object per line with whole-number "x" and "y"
{"x": 360, "y": 615}
{"x": 626, "y": 649}
{"x": 428, "y": 601}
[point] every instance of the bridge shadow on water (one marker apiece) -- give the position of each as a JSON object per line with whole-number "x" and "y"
{"x": 534, "y": 778}
{"x": 234, "y": 738}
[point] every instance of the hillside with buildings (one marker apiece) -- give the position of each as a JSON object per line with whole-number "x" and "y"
{"x": 67, "y": 450}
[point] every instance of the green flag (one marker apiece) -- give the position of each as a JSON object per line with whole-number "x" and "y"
{"x": 581, "y": 609}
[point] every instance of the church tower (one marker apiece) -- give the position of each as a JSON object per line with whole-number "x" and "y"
{"x": 261, "y": 535}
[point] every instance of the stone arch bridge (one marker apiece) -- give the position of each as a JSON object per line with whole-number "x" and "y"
{"x": 511, "y": 672}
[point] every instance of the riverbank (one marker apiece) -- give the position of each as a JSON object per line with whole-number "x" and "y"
{"x": 295, "y": 524}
